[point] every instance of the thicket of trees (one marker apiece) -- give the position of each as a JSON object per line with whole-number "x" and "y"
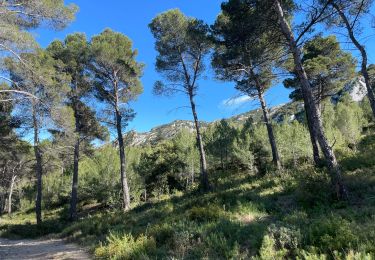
{"x": 47, "y": 94}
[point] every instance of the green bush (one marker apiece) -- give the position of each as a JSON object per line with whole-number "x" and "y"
{"x": 163, "y": 233}
{"x": 182, "y": 243}
{"x": 351, "y": 255}
{"x": 268, "y": 250}
{"x": 332, "y": 233}
{"x": 285, "y": 237}
{"x": 313, "y": 188}
{"x": 126, "y": 247}
{"x": 222, "y": 248}
{"x": 208, "y": 213}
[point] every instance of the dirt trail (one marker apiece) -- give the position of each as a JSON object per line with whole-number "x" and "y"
{"x": 40, "y": 250}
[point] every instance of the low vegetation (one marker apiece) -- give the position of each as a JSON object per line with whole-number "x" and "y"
{"x": 292, "y": 182}
{"x": 285, "y": 214}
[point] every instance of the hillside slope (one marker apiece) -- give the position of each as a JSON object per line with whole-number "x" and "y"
{"x": 277, "y": 216}
{"x": 285, "y": 112}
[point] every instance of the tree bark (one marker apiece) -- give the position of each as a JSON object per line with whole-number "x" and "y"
{"x": 205, "y": 185}
{"x": 38, "y": 169}
{"x": 3, "y": 201}
{"x": 74, "y": 196}
{"x": 192, "y": 172}
{"x": 271, "y": 136}
{"x": 362, "y": 50}
{"x": 266, "y": 118}
{"x": 124, "y": 181}
{"x": 12, "y": 182}
{"x": 222, "y": 160}
{"x": 314, "y": 114}
{"x": 314, "y": 141}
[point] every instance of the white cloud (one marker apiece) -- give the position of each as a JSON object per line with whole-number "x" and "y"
{"x": 236, "y": 101}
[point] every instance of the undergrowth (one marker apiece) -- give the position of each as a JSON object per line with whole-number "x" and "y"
{"x": 289, "y": 215}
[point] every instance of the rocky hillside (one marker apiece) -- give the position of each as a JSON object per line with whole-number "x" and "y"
{"x": 162, "y": 132}
{"x": 281, "y": 113}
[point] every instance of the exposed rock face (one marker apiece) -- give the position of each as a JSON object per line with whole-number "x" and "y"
{"x": 167, "y": 131}
{"x": 356, "y": 89}
{"x": 281, "y": 113}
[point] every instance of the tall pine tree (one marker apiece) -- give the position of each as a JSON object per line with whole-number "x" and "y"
{"x": 116, "y": 74}
{"x": 182, "y": 45}
{"x": 247, "y": 52}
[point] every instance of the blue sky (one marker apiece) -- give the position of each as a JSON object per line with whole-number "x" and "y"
{"x": 132, "y": 18}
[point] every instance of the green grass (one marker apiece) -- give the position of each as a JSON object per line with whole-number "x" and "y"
{"x": 288, "y": 215}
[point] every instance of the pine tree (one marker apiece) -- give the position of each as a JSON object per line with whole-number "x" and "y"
{"x": 347, "y": 14}
{"x": 328, "y": 69}
{"x": 247, "y": 52}
{"x": 182, "y": 45}
{"x": 17, "y": 17}
{"x": 48, "y": 91}
{"x": 221, "y": 144}
{"x": 116, "y": 74}
{"x": 277, "y": 15}
{"x": 74, "y": 53}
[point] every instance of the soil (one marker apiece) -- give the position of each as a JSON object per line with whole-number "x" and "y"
{"x": 40, "y": 249}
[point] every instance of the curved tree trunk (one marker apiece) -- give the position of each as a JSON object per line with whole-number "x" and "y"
{"x": 38, "y": 170}
{"x": 124, "y": 180}
{"x": 205, "y": 185}
{"x": 312, "y": 110}
{"x": 361, "y": 48}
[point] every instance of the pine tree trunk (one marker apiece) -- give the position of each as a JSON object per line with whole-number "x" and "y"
{"x": 74, "y": 196}
{"x": 2, "y": 204}
{"x": 271, "y": 136}
{"x": 12, "y": 182}
{"x": 192, "y": 172}
{"x": 124, "y": 181}
{"x": 38, "y": 169}
{"x": 362, "y": 50}
{"x": 314, "y": 141}
{"x": 221, "y": 160}
{"x": 205, "y": 185}
{"x": 2, "y": 195}
{"x": 312, "y": 110}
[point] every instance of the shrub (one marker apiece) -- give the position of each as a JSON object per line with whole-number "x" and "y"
{"x": 313, "y": 189}
{"x": 126, "y": 247}
{"x": 332, "y": 233}
{"x": 182, "y": 243}
{"x": 285, "y": 237}
{"x": 280, "y": 242}
{"x": 208, "y": 213}
{"x": 351, "y": 255}
{"x": 268, "y": 249}
{"x": 222, "y": 248}
{"x": 163, "y": 233}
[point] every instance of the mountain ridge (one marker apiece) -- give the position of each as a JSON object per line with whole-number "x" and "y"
{"x": 283, "y": 112}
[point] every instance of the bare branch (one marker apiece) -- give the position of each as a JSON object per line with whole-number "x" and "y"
{"x": 18, "y": 92}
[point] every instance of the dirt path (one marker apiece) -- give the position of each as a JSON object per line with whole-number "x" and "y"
{"x": 40, "y": 250}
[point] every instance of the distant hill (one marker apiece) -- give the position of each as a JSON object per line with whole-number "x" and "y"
{"x": 280, "y": 113}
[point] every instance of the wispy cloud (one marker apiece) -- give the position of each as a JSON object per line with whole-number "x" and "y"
{"x": 235, "y": 101}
